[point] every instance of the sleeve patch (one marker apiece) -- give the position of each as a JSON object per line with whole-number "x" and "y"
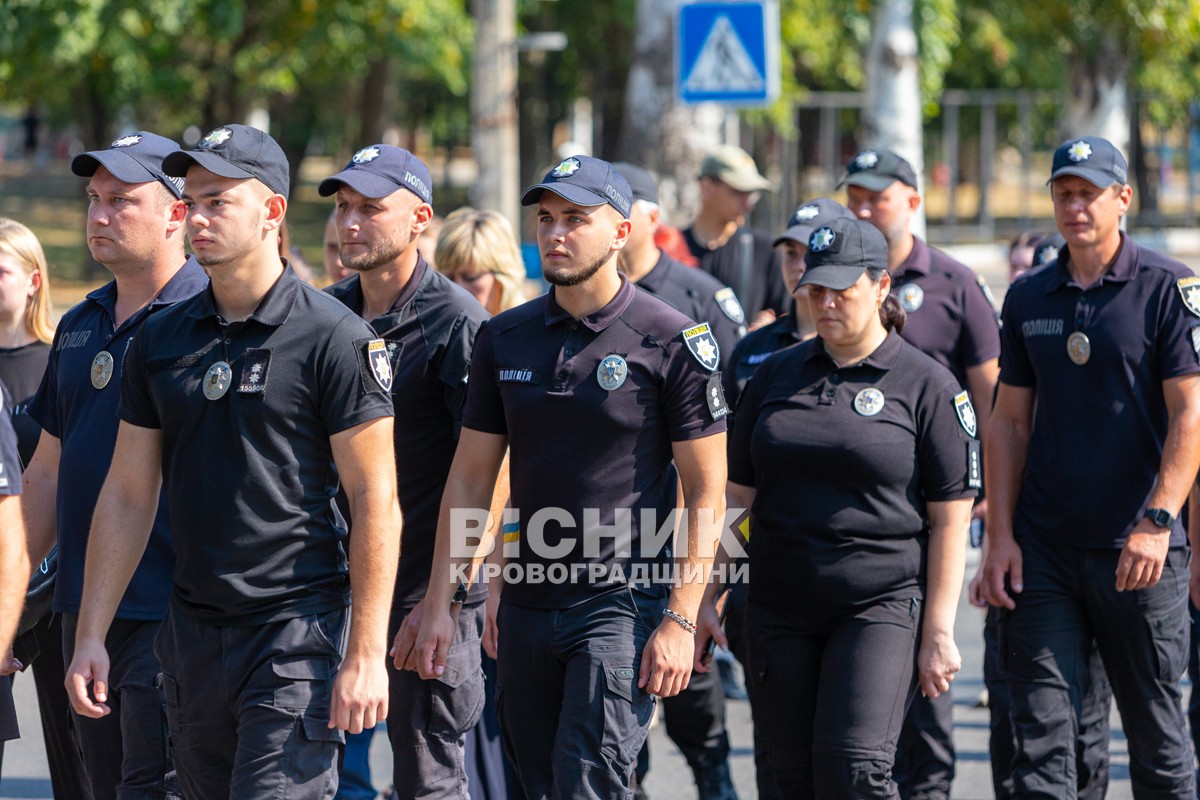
{"x": 974, "y": 467}
{"x": 730, "y": 306}
{"x": 375, "y": 363}
{"x": 966, "y": 413}
{"x": 1189, "y": 290}
{"x": 714, "y": 393}
{"x": 703, "y": 346}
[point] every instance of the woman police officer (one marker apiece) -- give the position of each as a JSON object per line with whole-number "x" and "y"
{"x": 856, "y": 454}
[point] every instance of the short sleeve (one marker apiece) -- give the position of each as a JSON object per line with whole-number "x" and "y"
{"x": 43, "y": 407}
{"x": 1178, "y": 345}
{"x": 454, "y": 370}
{"x": 485, "y": 407}
{"x": 137, "y": 405}
{"x": 947, "y": 451}
{"x": 980, "y": 330}
{"x": 1015, "y": 367}
{"x": 351, "y": 392}
{"x": 741, "y": 465}
{"x": 692, "y": 397}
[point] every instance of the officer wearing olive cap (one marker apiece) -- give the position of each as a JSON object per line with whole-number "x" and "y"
{"x": 599, "y": 388}
{"x": 1094, "y": 444}
{"x": 860, "y": 482}
{"x": 383, "y": 203}
{"x": 249, "y": 403}
{"x": 135, "y": 229}
{"x": 738, "y": 256}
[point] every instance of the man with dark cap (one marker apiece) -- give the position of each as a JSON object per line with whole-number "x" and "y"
{"x": 1095, "y": 443}
{"x": 693, "y": 292}
{"x": 739, "y": 257}
{"x": 951, "y": 318}
{"x": 135, "y": 229}
{"x": 695, "y": 718}
{"x": 249, "y": 403}
{"x": 599, "y": 388}
{"x": 384, "y": 203}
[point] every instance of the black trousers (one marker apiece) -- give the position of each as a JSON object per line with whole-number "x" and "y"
{"x": 830, "y": 695}
{"x": 249, "y": 706}
{"x": 126, "y": 755}
{"x": 924, "y": 767}
{"x": 735, "y": 631}
{"x": 1069, "y": 599}
{"x": 570, "y": 708}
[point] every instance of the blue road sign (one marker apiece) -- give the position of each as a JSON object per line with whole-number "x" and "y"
{"x": 728, "y": 52}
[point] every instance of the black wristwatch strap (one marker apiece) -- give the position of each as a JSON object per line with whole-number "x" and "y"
{"x": 1160, "y": 517}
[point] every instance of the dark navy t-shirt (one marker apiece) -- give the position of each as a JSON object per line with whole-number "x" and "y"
{"x": 950, "y": 315}
{"x": 844, "y": 460}
{"x": 84, "y": 419}
{"x": 249, "y": 476}
{"x": 1098, "y": 427}
{"x": 590, "y": 408}
{"x": 726, "y": 264}
{"x": 699, "y": 297}
{"x": 429, "y": 331}
{"x": 21, "y": 370}
{"x": 10, "y": 464}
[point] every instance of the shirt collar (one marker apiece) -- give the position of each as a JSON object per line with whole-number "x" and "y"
{"x": 352, "y": 294}
{"x": 658, "y": 275}
{"x": 1122, "y": 270}
{"x": 188, "y": 281}
{"x": 918, "y": 261}
{"x": 598, "y": 320}
{"x": 883, "y": 358}
{"x": 272, "y": 310}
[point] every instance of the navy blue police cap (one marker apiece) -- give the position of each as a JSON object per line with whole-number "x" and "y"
{"x": 810, "y": 216}
{"x": 134, "y": 158}
{"x": 380, "y": 169}
{"x": 876, "y": 170}
{"x": 641, "y": 183}
{"x": 839, "y": 252}
{"x": 584, "y": 180}
{"x": 236, "y": 151}
{"x": 1091, "y": 158}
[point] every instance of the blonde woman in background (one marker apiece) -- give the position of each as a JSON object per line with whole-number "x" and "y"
{"x": 478, "y": 251}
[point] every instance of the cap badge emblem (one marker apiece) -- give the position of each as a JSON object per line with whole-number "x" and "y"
{"x": 866, "y": 159}
{"x": 127, "y": 141}
{"x": 566, "y": 169}
{"x": 805, "y": 213}
{"x": 367, "y": 154}
{"x": 215, "y": 138}
{"x": 821, "y": 239}
{"x": 1080, "y": 151}
{"x": 1048, "y": 254}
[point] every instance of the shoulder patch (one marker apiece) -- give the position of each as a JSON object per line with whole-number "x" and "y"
{"x": 987, "y": 290}
{"x": 714, "y": 394}
{"x": 1189, "y": 290}
{"x": 966, "y": 413}
{"x": 730, "y": 306}
{"x": 375, "y": 362}
{"x": 703, "y": 346}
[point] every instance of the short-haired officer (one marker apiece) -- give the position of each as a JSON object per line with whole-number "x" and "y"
{"x": 695, "y": 718}
{"x": 598, "y": 387}
{"x": 738, "y": 256}
{"x": 249, "y": 403}
{"x": 384, "y": 202}
{"x": 950, "y": 316}
{"x": 135, "y": 229}
{"x": 695, "y": 293}
{"x": 1094, "y": 445}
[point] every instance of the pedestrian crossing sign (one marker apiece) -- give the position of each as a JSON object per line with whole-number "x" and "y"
{"x": 728, "y": 52}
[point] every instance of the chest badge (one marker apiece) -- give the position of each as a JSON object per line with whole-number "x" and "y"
{"x": 1079, "y": 348}
{"x": 701, "y": 344}
{"x": 912, "y": 297}
{"x": 966, "y": 413}
{"x": 869, "y": 401}
{"x": 102, "y": 369}
{"x": 612, "y": 372}
{"x": 217, "y": 380}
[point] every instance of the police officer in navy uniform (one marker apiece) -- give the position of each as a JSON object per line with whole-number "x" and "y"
{"x": 14, "y": 561}
{"x": 738, "y": 256}
{"x": 599, "y": 388}
{"x": 695, "y": 718}
{"x": 855, "y": 454}
{"x": 797, "y": 325}
{"x": 1094, "y": 444}
{"x": 950, "y": 317}
{"x": 384, "y": 202}
{"x": 135, "y": 228}
{"x": 250, "y": 403}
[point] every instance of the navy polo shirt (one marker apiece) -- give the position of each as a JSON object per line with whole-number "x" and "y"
{"x": 249, "y": 476}
{"x": 84, "y": 419}
{"x": 725, "y": 264}
{"x": 753, "y": 350}
{"x": 574, "y": 445}
{"x": 10, "y": 463}
{"x": 429, "y": 331}
{"x": 700, "y": 297}
{"x": 844, "y": 460}
{"x": 950, "y": 315}
{"x": 1098, "y": 428}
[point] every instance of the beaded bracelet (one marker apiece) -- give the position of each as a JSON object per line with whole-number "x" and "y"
{"x": 681, "y": 620}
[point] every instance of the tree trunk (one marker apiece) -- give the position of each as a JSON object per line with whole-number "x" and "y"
{"x": 494, "y": 109}
{"x": 371, "y": 109}
{"x": 892, "y": 117}
{"x": 1097, "y": 96}
{"x": 658, "y": 132}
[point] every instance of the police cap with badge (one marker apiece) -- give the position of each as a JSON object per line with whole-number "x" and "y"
{"x": 586, "y": 181}
{"x": 236, "y": 151}
{"x": 133, "y": 158}
{"x": 378, "y": 170}
{"x": 876, "y": 170}
{"x": 810, "y": 216}
{"x": 841, "y": 251}
{"x": 1094, "y": 159}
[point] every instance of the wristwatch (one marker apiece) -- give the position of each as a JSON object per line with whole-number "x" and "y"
{"x": 460, "y": 595}
{"x": 1160, "y": 517}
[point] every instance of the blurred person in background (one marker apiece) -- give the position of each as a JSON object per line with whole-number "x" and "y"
{"x": 477, "y": 250}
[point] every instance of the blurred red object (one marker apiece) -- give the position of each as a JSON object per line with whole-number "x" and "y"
{"x": 670, "y": 240}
